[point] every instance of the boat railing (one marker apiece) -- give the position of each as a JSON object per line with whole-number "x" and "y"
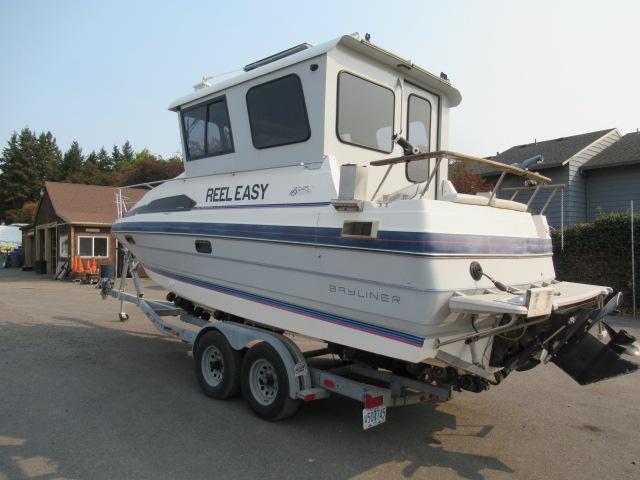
{"x": 554, "y": 187}
{"x": 122, "y": 200}
{"x": 440, "y": 155}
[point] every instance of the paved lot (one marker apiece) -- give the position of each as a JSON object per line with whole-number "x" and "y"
{"x": 85, "y": 396}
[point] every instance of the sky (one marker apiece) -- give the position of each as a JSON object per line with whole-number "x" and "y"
{"x": 105, "y": 72}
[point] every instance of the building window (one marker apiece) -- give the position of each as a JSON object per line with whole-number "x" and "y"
{"x": 64, "y": 246}
{"x": 277, "y": 113}
{"x": 365, "y": 113}
{"x": 207, "y": 130}
{"x": 419, "y": 135}
{"x": 93, "y": 246}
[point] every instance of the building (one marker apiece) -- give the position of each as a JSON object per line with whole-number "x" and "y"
{"x": 74, "y": 219}
{"x": 564, "y": 159}
{"x": 613, "y": 177}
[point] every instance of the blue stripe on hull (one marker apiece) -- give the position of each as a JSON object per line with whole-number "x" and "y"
{"x": 307, "y": 312}
{"x": 265, "y": 205}
{"x": 399, "y": 242}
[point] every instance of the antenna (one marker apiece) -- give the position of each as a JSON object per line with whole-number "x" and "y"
{"x": 206, "y": 82}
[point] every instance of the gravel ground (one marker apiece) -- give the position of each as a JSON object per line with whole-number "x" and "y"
{"x": 83, "y": 395}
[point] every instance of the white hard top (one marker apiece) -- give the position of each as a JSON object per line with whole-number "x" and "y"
{"x": 409, "y": 70}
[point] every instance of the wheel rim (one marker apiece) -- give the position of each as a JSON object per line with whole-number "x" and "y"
{"x": 212, "y": 366}
{"x": 263, "y": 382}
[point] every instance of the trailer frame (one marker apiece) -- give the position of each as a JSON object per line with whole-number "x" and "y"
{"x": 375, "y": 388}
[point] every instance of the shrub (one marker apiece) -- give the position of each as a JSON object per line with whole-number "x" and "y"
{"x": 599, "y": 253}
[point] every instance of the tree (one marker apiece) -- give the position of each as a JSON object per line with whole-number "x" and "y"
{"x": 26, "y": 213}
{"x": 91, "y": 158}
{"x": 127, "y": 152}
{"x": 466, "y": 181}
{"x": 91, "y": 174}
{"x": 105, "y": 162}
{"x": 72, "y": 160}
{"x": 147, "y": 168}
{"x": 19, "y": 181}
{"x": 48, "y": 158}
{"x": 116, "y": 156}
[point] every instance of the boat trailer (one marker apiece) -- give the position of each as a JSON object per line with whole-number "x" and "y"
{"x": 218, "y": 347}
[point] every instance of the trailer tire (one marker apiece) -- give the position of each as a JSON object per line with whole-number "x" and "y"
{"x": 217, "y": 366}
{"x": 265, "y": 383}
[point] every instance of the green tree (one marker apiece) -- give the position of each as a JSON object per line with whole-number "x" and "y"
{"x": 72, "y": 160}
{"x": 127, "y": 152}
{"x": 91, "y": 174}
{"x": 19, "y": 181}
{"x": 48, "y": 158}
{"x": 91, "y": 158}
{"x": 105, "y": 162}
{"x": 147, "y": 167}
{"x": 116, "y": 156}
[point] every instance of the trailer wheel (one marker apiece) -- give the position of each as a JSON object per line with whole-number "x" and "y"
{"x": 217, "y": 366}
{"x": 265, "y": 383}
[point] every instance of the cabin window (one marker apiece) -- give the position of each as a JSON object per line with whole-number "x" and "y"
{"x": 194, "y": 126}
{"x": 277, "y": 113}
{"x": 419, "y": 135}
{"x": 365, "y": 113}
{"x": 219, "y": 138}
{"x": 207, "y": 130}
{"x": 93, "y": 246}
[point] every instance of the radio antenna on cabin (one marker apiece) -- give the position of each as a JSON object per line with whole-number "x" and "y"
{"x": 204, "y": 83}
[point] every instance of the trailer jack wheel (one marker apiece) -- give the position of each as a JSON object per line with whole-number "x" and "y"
{"x": 217, "y": 366}
{"x": 265, "y": 384}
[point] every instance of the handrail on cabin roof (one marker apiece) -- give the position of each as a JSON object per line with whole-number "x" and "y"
{"x": 465, "y": 158}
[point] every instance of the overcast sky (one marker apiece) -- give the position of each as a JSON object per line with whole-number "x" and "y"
{"x": 103, "y": 72}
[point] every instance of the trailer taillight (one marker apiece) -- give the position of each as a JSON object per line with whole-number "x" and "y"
{"x": 371, "y": 402}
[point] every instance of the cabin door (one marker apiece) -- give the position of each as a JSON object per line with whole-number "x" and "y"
{"x": 421, "y": 129}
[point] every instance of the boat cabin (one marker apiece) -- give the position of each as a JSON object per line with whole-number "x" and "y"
{"x": 343, "y": 99}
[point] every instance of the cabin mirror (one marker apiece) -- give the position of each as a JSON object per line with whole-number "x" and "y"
{"x": 418, "y": 134}
{"x": 418, "y": 172}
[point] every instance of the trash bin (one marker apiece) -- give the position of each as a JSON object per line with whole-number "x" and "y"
{"x": 106, "y": 271}
{"x": 40, "y": 266}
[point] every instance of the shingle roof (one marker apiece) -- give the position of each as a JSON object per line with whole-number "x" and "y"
{"x": 625, "y": 151}
{"x": 555, "y": 152}
{"x": 90, "y": 204}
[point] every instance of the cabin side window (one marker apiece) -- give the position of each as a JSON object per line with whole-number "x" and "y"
{"x": 365, "y": 113}
{"x": 207, "y": 130}
{"x": 277, "y": 113}
{"x": 419, "y": 135}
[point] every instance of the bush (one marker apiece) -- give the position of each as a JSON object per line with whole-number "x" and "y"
{"x": 599, "y": 253}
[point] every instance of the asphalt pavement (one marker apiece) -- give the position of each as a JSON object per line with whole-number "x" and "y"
{"x": 85, "y": 396}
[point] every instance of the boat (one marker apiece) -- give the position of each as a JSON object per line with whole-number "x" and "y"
{"x": 315, "y": 200}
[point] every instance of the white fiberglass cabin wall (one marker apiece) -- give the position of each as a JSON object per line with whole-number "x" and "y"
{"x": 344, "y": 99}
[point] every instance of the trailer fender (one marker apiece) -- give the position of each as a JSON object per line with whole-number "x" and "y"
{"x": 239, "y": 336}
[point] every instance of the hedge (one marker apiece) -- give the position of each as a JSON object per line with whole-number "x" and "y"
{"x": 600, "y": 253}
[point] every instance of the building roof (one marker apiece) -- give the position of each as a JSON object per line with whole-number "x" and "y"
{"x": 409, "y": 70}
{"x": 556, "y": 152}
{"x": 625, "y": 151}
{"x": 88, "y": 204}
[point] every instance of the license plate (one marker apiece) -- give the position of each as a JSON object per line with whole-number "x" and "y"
{"x": 373, "y": 416}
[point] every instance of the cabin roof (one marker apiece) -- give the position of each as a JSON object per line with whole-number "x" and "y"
{"x": 408, "y": 69}
{"x": 625, "y": 151}
{"x": 88, "y": 204}
{"x": 555, "y": 152}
